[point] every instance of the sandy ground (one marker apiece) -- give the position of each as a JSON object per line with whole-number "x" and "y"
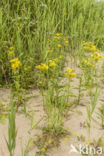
{"x": 74, "y": 123}
{"x": 23, "y": 123}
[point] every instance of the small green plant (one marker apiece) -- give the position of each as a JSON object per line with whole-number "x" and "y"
{"x": 30, "y": 143}
{"x": 11, "y": 142}
{"x": 54, "y": 107}
{"x": 101, "y": 115}
{"x": 91, "y": 108}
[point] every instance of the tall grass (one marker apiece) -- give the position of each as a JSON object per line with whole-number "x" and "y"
{"x": 28, "y": 24}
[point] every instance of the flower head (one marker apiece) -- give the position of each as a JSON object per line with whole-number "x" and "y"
{"x": 69, "y": 70}
{"x": 96, "y": 56}
{"x": 59, "y": 45}
{"x": 69, "y": 73}
{"x": 10, "y": 53}
{"x": 27, "y": 68}
{"x": 31, "y": 58}
{"x": 43, "y": 149}
{"x": 58, "y": 34}
{"x": 52, "y": 63}
{"x": 15, "y": 63}
{"x": 60, "y": 56}
{"x": 11, "y": 48}
{"x": 89, "y": 46}
{"x": 42, "y": 67}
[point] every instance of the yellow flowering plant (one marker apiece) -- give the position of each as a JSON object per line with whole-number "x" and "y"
{"x": 89, "y": 46}
{"x": 89, "y": 62}
{"x": 70, "y": 74}
{"x": 57, "y": 44}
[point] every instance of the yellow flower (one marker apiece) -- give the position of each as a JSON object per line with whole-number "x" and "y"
{"x": 11, "y": 48}
{"x": 14, "y": 66}
{"x": 71, "y": 75}
{"x": 10, "y": 53}
{"x": 96, "y": 56}
{"x": 58, "y": 34}
{"x": 66, "y": 41}
{"x": 69, "y": 70}
{"x": 38, "y": 67}
{"x": 89, "y": 46}
{"x": 59, "y": 45}
{"x": 15, "y": 63}
{"x": 14, "y": 60}
{"x": 52, "y": 63}
{"x": 60, "y": 56}
{"x": 31, "y": 58}
{"x": 57, "y": 38}
{"x": 86, "y": 48}
{"x": 42, "y": 67}
{"x": 75, "y": 134}
{"x": 89, "y": 64}
{"x": 93, "y": 48}
{"x": 43, "y": 149}
{"x": 27, "y": 68}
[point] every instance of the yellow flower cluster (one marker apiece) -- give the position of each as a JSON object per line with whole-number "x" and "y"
{"x": 11, "y": 48}
{"x": 15, "y": 63}
{"x": 59, "y": 45}
{"x": 59, "y": 34}
{"x": 52, "y": 63}
{"x": 96, "y": 56}
{"x": 31, "y": 58}
{"x": 42, "y": 67}
{"x": 66, "y": 42}
{"x": 89, "y": 46}
{"x": 69, "y": 73}
{"x": 27, "y": 68}
{"x": 60, "y": 56}
{"x": 93, "y": 57}
{"x": 43, "y": 149}
{"x": 57, "y": 38}
{"x": 88, "y": 63}
{"x": 11, "y": 51}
